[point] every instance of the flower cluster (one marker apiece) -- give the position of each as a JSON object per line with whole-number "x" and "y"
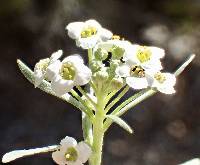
{"x": 113, "y": 61}
{"x": 114, "y": 65}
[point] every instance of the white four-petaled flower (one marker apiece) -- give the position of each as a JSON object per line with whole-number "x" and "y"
{"x": 87, "y": 34}
{"x": 68, "y": 73}
{"x": 164, "y": 82}
{"x": 40, "y": 70}
{"x": 148, "y": 57}
{"x": 71, "y": 153}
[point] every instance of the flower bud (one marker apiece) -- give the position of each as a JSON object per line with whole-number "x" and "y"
{"x": 96, "y": 66}
{"x": 100, "y": 54}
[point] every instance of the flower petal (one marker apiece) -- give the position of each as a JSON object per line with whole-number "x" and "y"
{"x": 74, "y": 29}
{"x": 105, "y": 34}
{"x": 123, "y": 70}
{"x": 153, "y": 65}
{"x": 87, "y": 43}
{"x": 130, "y": 55}
{"x": 137, "y": 83}
{"x": 84, "y": 151}
{"x": 170, "y": 79}
{"x": 169, "y": 90}
{"x": 74, "y": 163}
{"x": 59, "y": 158}
{"x": 92, "y": 23}
{"x": 39, "y": 76}
{"x": 53, "y": 70}
{"x": 68, "y": 142}
{"x": 157, "y": 52}
{"x": 55, "y": 56}
{"x": 83, "y": 75}
{"x": 60, "y": 86}
{"x": 74, "y": 59}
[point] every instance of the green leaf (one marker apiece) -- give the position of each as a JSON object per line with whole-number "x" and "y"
{"x": 87, "y": 129}
{"x": 45, "y": 85}
{"x": 120, "y": 122}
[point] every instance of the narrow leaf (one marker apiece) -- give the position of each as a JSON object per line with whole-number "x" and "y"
{"x": 87, "y": 129}
{"x": 120, "y": 122}
{"x": 10, "y": 156}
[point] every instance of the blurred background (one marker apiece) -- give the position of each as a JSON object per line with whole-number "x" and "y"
{"x": 167, "y": 128}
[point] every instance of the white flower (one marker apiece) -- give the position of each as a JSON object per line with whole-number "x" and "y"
{"x": 71, "y": 153}
{"x": 68, "y": 73}
{"x": 148, "y": 57}
{"x": 40, "y": 70}
{"x": 68, "y": 152}
{"x": 136, "y": 76}
{"x": 87, "y": 34}
{"x": 164, "y": 82}
{"x": 195, "y": 161}
{"x": 140, "y": 63}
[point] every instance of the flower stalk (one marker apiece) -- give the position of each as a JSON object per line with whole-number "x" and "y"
{"x": 115, "y": 66}
{"x": 98, "y": 132}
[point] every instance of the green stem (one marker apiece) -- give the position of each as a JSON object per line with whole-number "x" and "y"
{"x": 136, "y": 99}
{"x": 85, "y": 94}
{"x": 93, "y": 86}
{"x": 87, "y": 110}
{"x": 98, "y": 133}
{"x": 117, "y": 99}
{"x": 130, "y": 99}
{"x": 90, "y": 56}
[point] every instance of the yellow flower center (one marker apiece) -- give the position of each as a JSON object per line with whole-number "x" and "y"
{"x": 160, "y": 77}
{"x": 117, "y": 37}
{"x": 67, "y": 71}
{"x": 43, "y": 64}
{"x": 144, "y": 54}
{"x": 137, "y": 71}
{"x": 71, "y": 154}
{"x": 88, "y": 32}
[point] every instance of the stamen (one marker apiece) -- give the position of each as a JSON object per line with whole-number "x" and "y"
{"x": 67, "y": 71}
{"x": 116, "y": 37}
{"x": 144, "y": 54}
{"x": 88, "y": 32}
{"x": 71, "y": 154}
{"x": 160, "y": 77}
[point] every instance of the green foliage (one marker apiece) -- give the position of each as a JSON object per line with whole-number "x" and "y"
{"x": 120, "y": 122}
